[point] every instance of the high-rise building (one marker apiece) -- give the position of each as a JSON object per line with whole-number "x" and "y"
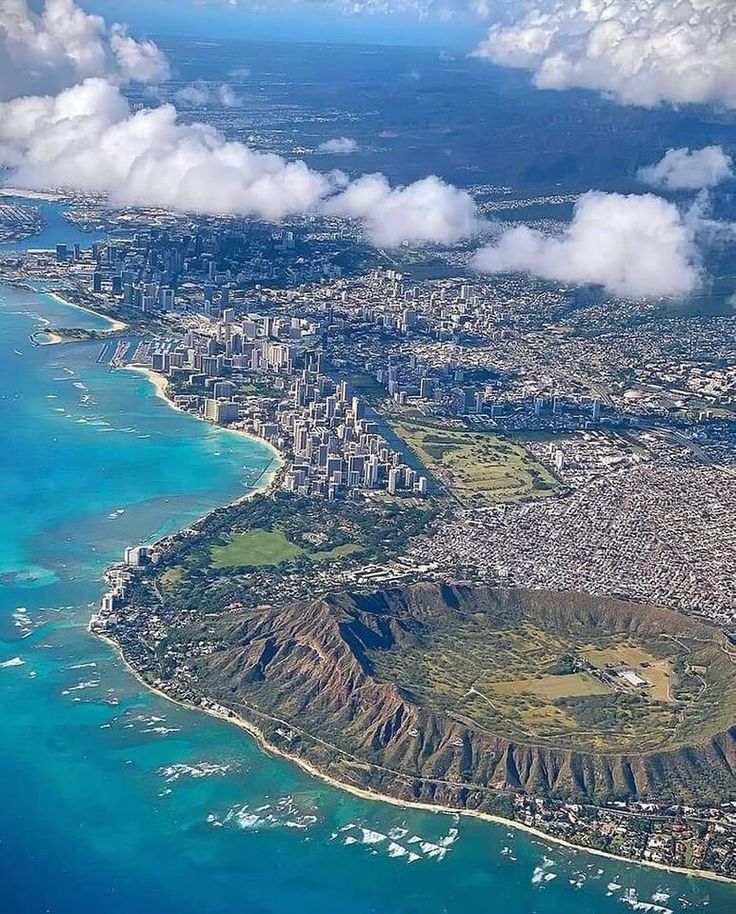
{"x": 394, "y": 478}
{"x": 167, "y": 299}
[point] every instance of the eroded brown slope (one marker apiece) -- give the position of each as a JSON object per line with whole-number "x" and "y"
{"x": 313, "y": 668}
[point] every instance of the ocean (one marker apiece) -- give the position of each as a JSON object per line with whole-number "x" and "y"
{"x": 116, "y": 800}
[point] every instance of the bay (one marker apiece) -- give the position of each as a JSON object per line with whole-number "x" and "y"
{"x": 56, "y": 229}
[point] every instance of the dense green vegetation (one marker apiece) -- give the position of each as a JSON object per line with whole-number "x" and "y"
{"x": 246, "y": 553}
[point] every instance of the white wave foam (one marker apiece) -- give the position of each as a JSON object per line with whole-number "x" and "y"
{"x": 396, "y": 850}
{"x": 285, "y": 814}
{"x": 172, "y": 773}
{"x": 89, "y": 684}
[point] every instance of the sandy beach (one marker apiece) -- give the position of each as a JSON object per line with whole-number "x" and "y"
{"x": 161, "y": 385}
{"x": 115, "y": 325}
{"x": 51, "y": 338}
{"x": 257, "y": 734}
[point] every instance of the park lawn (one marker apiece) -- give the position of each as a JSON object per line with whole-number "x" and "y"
{"x": 337, "y": 552}
{"x": 261, "y": 547}
{"x": 255, "y": 547}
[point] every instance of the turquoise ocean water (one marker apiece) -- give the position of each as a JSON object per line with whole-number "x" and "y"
{"x": 116, "y": 801}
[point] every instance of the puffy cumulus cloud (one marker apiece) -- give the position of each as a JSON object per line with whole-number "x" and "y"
{"x": 87, "y": 138}
{"x": 137, "y": 61}
{"x": 339, "y": 145}
{"x": 61, "y": 44}
{"x": 200, "y": 94}
{"x": 710, "y": 232}
{"x": 686, "y": 169}
{"x": 641, "y": 52}
{"x": 427, "y": 211}
{"x": 636, "y": 246}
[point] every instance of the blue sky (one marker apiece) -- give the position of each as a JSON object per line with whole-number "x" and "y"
{"x": 312, "y": 22}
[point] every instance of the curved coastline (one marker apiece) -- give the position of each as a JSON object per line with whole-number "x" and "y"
{"x": 116, "y": 326}
{"x": 257, "y": 734}
{"x": 160, "y": 384}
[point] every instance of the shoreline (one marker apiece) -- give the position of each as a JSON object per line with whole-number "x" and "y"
{"x": 53, "y": 338}
{"x": 161, "y": 385}
{"x": 116, "y": 326}
{"x": 260, "y": 739}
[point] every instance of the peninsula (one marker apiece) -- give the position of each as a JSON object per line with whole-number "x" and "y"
{"x": 439, "y": 599}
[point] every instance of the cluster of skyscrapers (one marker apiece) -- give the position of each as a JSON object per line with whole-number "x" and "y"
{"x": 337, "y": 446}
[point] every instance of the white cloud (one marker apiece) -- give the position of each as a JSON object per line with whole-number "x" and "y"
{"x": 227, "y": 97}
{"x": 686, "y": 169}
{"x": 634, "y": 246}
{"x": 200, "y": 94}
{"x": 137, "y": 61}
{"x": 47, "y": 51}
{"x": 197, "y": 95}
{"x": 641, "y": 52}
{"x": 427, "y": 211}
{"x": 87, "y": 138}
{"x": 340, "y": 145}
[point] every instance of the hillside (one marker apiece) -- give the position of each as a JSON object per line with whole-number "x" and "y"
{"x": 445, "y": 692}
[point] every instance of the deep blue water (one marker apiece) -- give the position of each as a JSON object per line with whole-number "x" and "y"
{"x": 112, "y": 799}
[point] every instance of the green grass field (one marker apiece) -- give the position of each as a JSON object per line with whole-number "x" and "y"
{"x": 261, "y": 547}
{"x": 571, "y": 685}
{"x": 477, "y": 468}
{"x": 503, "y": 679}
